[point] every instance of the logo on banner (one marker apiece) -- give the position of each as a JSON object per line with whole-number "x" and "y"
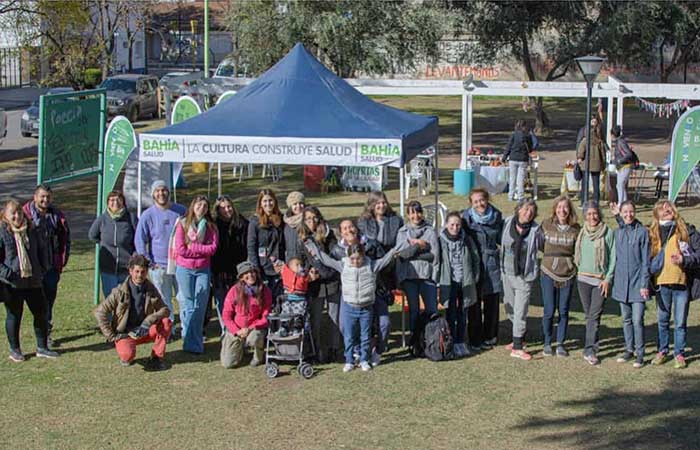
{"x": 379, "y": 152}
{"x": 685, "y": 150}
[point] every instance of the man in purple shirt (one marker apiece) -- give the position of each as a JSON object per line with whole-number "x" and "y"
{"x": 153, "y": 238}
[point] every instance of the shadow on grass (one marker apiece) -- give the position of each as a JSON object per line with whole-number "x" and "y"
{"x": 616, "y": 418}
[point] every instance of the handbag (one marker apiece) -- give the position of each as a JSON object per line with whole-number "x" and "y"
{"x": 578, "y": 173}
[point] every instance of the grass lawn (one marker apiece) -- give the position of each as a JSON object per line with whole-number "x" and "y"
{"x": 488, "y": 401}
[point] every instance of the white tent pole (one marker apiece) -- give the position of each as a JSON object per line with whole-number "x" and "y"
{"x": 610, "y": 121}
{"x": 437, "y": 184}
{"x": 218, "y": 176}
{"x": 620, "y": 110}
{"x": 463, "y": 161}
{"x": 470, "y": 125}
{"x": 138, "y": 189}
{"x": 401, "y": 188}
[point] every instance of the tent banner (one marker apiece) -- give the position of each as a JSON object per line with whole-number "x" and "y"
{"x": 120, "y": 140}
{"x": 270, "y": 150}
{"x": 685, "y": 150}
{"x": 185, "y": 108}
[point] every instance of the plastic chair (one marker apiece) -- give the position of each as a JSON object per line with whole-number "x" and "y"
{"x": 420, "y": 173}
{"x": 430, "y": 216}
{"x": 242, "y": 171}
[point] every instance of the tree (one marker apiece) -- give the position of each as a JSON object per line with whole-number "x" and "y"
{"x": 351, "y": 36}
{"x": 510, "y": 29}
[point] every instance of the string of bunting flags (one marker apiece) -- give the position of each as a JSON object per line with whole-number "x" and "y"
{"x": 663, "y": 109}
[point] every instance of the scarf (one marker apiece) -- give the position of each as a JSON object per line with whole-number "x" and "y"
{"x": 116, "y": 214}
{"x": 294, "y": 221}
{"x": 518, "y": 242}
{"x": 22, "y": 244}
{"x": 486, "y": 219}
{"x": 596, "y": 235}
{"x": 197, "y": 231}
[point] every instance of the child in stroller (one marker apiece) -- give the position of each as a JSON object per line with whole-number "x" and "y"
{"x": 295, "y": 281}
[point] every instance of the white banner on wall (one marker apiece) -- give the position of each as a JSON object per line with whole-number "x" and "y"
{"x": 364, "y": 178}
{"x": 269, "y": 150}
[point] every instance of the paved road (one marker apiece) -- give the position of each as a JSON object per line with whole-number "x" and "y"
{"x": 15, "y": 146}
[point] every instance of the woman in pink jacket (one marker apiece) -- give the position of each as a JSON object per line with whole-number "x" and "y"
{"x": 246, "y": 307}
{"x": 196, "y": 239}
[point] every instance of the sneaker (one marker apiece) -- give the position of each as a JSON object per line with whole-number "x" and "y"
{"x": 660, "y": 358}
{"x": 547, "y": 351}
{"x": 365, "y": 366}
{"x": 591, "y": 359}
{"x": 156, "y": 364}
{"x": 348, "y": 368}
{"x": 46, "y": 353}
{"x": 16, "y": 355}
{"x": 638, "y": 364}
{"x": 562, "y": 352}
{"x": 680, "y": 363}
{"x": 375, "y": 359}
{"x": 488, "y": 344}
{"x": 125, "y": 363}
{"x": 521, "y": 354}
{"x": 255, "y": 362}
{"x": 510, "y": 346}
{"x": 626, "y": 357}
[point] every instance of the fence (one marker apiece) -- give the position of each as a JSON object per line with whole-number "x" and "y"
{"x": 11, "y": 68}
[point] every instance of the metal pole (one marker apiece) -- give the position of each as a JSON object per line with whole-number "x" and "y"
{"x": 100, "y": 179}
{"x": 40, "y": 156}
{"x": 402, "y": 171}
{"x": 463, "y": 161}
{"x": 206, "y": 38}
{"x": 587, "y": 174}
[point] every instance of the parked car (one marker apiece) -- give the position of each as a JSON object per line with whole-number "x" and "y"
{"x": 3, "y": 124}
{"x": 29, "y": 125}
{"x": 131, "y": 95}
{"x": 228, "y": 68}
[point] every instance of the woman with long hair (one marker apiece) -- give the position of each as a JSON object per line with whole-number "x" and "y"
{"x": 246, "y": 308}
{"x": 596, "y": 158}
{"x": 595, "y": 259}
{"x": 631, "y": 286}
{"x": 379, "y": 223}
{"x": 25, "y": 259}
{"x": 114, "y": 230}
{"x": 484, "y": 223}
{"x": 558, "y": 242}
{"x": 196, "y": 240}
{"x": 519, "y": 269}
{"x": 324, "y": 289}
{"x": 671, "y": 250}
{"x": 231, "y": 251}
{"x": 266, "y": 246}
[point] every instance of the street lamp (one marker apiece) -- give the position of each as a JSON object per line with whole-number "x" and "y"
{"x": 589, "y": 67}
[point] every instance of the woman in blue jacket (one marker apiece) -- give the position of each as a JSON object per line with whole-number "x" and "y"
{"x": 631, "y": 286}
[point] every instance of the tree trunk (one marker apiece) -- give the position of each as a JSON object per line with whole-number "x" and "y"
{"x": 541, "y": 119}
{"x": 130, "y": 40}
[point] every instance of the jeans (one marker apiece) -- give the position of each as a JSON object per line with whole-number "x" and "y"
{"x": 623, "y": 176}
{"x": 356, "y": 321}
{"x": 194, "y": 300}
{"x": 110, "y": 281}
{"x": 516, "y": 299}
{"x": 516, "y": 184}
{"x": 456, "y": 313}
{"x": 483, "y": 326}
{"x": 427, "y": 290}
{"x": 166, "y": 285}
{"x": 14, "y": 305}
{"x": 592, "y": 301}
{"x": 50, "y": 283}
{"x": 219, "y": 297}
{"x": 553, "y": 298}
{"x": 666, "y": 300}
{"x": 633, "y": 327}
{"x": 595, "y": 181}
{"x": 381, "y": 314}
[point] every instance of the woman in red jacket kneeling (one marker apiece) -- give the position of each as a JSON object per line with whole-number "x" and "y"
{"x": 246, "y": 307}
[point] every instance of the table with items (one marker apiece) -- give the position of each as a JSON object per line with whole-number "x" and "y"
{"x": 493, "y": 175}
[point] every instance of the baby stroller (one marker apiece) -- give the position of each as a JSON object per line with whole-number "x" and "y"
{"x": 287, "y": 336}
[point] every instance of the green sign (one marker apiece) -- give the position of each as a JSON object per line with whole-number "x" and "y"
{"x": 120, "y": 140}
{"x": 70, "y": 135}
{"x": 685, "y": 150}
{"x": 185, "y": 108}
{"x": 225, "y": 96}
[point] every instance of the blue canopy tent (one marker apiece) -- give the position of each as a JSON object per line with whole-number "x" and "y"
{"x": 298, "y": 112}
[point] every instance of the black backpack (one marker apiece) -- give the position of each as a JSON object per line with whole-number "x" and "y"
{"x": 433, "y": 339}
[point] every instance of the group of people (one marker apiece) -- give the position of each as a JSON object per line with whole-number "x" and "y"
{"x": 345, "y": 284}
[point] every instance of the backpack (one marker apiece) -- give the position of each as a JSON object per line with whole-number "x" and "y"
{"x": 438, "y": 339}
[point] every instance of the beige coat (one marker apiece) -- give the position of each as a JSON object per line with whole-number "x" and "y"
{"x": 597, "y": 155}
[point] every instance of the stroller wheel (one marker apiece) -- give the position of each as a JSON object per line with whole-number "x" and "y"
{"x": 271, "y": 370}
{"x": 306, "y": 370}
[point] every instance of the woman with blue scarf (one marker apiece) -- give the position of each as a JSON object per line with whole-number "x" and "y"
{"x": 484, "y": 223}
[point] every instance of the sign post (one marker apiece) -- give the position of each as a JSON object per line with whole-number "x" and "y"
{"x": 685, "y": 150}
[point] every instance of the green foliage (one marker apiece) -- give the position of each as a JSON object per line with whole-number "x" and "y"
{"x": 352, "y": 36}
{"x": 93, "y": 77}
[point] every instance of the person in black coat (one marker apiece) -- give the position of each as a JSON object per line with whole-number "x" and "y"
{"x": 518, "y": 154}
{"x": 266, "y": 247}
{"x": 114, "y": 230}
{"x": 231, "y": 251}
{"x": 293, "y": 219}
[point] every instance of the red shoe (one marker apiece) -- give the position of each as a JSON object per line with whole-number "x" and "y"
{"x": 510, "y": 346}
{"x": 521, "y": 354}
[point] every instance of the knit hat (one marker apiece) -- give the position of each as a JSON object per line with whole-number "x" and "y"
{"x": 294, "y": 197}
{"x": 244, "y": 267}
{"x": 158, "y": 184}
